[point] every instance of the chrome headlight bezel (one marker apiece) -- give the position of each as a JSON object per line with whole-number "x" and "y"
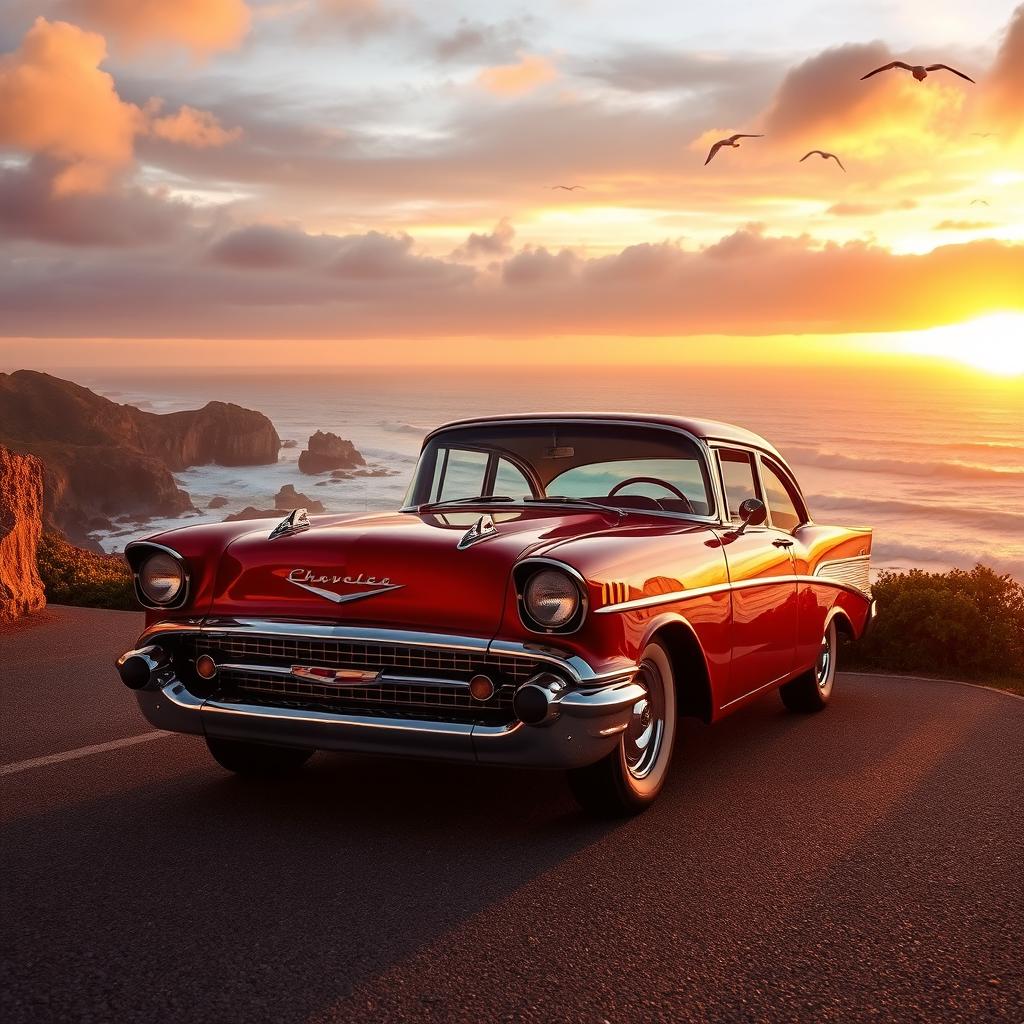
{"x": 532, "y": 572}
{"x": 143, "y": 554}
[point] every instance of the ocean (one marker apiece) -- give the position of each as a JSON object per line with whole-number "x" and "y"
{"x": 933, "y": 460}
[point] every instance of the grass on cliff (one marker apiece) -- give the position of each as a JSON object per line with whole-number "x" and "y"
{"x": 74, "y": 576}
{"x": 966, "y": 625}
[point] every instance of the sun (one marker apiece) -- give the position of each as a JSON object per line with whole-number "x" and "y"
{"x": 993, "y": 343}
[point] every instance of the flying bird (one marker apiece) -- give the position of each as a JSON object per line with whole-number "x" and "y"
{"x": 823, "y": 155}
{"x": 980, "y": 202}
{"x": 568, "y": 188}
{"x": 919, "y": 71}
{"x": 731, "y": 141}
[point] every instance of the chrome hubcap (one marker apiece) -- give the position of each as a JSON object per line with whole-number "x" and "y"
{"x": 824, "y": 663}
{"x": 646, "y": 730}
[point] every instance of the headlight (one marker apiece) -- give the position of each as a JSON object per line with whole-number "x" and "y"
{"x": 161, "y": 578}
{"x": 551, "y": 598}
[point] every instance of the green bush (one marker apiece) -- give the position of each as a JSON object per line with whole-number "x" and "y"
{"x": 74, "y": 576}
{"x": 959, "y": 624}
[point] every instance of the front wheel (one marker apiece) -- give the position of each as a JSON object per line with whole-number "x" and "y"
{"x": 811, "y": 691}
{"x": 256, "y": 759}
{"x": 628, "y": 779}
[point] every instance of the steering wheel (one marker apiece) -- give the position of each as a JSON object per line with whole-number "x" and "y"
{"x": 671, "y": 488}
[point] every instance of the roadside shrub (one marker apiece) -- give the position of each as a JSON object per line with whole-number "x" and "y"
{"x": 960, "y": 624}
{"x": 74, "y": 576}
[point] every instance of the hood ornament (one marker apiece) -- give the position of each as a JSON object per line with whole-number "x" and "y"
{"x": 297, "y": 519}
{"x": 482, "y": 529}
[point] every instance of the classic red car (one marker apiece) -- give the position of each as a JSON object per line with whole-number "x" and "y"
{"x": 556, "y": 592}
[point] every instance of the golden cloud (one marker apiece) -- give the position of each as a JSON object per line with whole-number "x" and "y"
{"x": 55, "y": 100}
{"x": 202, "y": 26}
{"x": 530, "y": 72}
{"x": 189, "y": 127}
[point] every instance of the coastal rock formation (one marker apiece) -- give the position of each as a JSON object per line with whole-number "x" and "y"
{"x": 251, "y": 512}
{"x": 289, "y": 498}
{"x": 220, "y": 432}
{"x": 21, "y": 524}
{"x": 218, "y": 502}
{"x": 102, "y": 459}
{"x": 327, "y": 451}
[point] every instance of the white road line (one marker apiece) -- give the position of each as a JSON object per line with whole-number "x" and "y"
{"x": 935, "y": 679}
{"x": 71, "y": 755}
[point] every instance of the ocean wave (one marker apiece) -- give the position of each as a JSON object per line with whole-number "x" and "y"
{"x": 897, "y": 555}
{"x": 401, "y": 427}
{"x": 871, "y": 464}
{"x": 980, "y": 518}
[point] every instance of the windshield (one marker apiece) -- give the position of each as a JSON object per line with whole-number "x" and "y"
{"x": 621, "y": 465}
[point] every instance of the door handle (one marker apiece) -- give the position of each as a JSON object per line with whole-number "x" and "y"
{"x": 782, "y": 542}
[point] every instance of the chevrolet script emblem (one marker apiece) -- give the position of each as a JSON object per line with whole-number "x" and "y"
{"x": 317, "y": 583}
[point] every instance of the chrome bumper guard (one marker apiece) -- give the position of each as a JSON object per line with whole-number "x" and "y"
{"x": 583, "y": 726}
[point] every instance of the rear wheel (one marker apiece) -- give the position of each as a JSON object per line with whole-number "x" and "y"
{"x": 812, "y": 690}
{"x": 256, "y": 759}
{"x": 629, "y": 778}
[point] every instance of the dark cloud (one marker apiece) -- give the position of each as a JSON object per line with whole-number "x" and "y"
{"x": 645, "y": 69}
{"x": 474, "y": 41}
{"x": 30, "y": 208}
{"x": 375, "y": 285}
{"x": 487, "y": 246}
{"x": 1005, "y": 83}
{"x": 266, "y": 247}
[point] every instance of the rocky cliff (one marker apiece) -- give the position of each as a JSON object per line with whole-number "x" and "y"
{"x": 327, "y": 451}
{"x": 103, "y": 459}
{"x": 21, "y": 524}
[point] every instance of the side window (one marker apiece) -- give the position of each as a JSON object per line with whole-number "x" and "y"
{"x": 510, "y": 481}
{"x": 459, "y": 474}
{"x": 739, "y": 479}
{"x": 783, "y": 509}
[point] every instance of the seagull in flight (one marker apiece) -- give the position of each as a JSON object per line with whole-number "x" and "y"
{"x": 823, "y": 155}
{"x": 731, "y": 141}
{"x": 980, "y": 202}
{"x": 568, "y": 188}
{"x": 919, "y": 71}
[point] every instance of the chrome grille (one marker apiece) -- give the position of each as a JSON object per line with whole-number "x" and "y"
{"x": 406, "y": 696}
{"x": 448, "y": 662}
{"x": 425, "y": 696}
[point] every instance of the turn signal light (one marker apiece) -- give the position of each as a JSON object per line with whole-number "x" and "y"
{"x": 481, "y": 687}
{"x": 206, "y": 667}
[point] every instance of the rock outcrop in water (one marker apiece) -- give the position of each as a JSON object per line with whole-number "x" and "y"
{"x": 289, "y": 498}
{"x": 102, "y": 459}
{"x": 327, "y": 451}
{"x": 21, "y": 524}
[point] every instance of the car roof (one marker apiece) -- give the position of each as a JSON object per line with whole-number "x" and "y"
{"x": 706, "y": 430}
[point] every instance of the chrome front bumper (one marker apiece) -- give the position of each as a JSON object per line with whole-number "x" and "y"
{"x": 584, "y": 726}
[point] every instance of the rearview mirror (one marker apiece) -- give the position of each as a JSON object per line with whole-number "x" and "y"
{"x": 752, "y": 513}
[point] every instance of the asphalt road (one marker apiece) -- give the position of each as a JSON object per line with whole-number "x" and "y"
{"x": 862, "y": 864}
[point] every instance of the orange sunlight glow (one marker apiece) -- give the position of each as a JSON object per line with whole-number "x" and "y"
{"x": 993, "y": 343}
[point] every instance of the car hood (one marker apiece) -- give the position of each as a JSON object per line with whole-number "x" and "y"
{"x": 401, "y": 570}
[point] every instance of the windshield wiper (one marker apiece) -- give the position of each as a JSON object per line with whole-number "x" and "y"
{"x": 478, "y": 499}
{"x": 586, "y": 502}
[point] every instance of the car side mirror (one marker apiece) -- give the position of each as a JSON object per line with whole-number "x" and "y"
{"x": 752, "y": 513}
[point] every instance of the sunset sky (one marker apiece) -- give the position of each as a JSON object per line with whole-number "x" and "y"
{"x": 351, "y": 170}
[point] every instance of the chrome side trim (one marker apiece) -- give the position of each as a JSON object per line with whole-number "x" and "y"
{"x": 720, "y": 588}
{"x": 854, "y": 571}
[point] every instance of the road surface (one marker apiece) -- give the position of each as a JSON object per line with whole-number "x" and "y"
{"x": 864, "y": 864}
